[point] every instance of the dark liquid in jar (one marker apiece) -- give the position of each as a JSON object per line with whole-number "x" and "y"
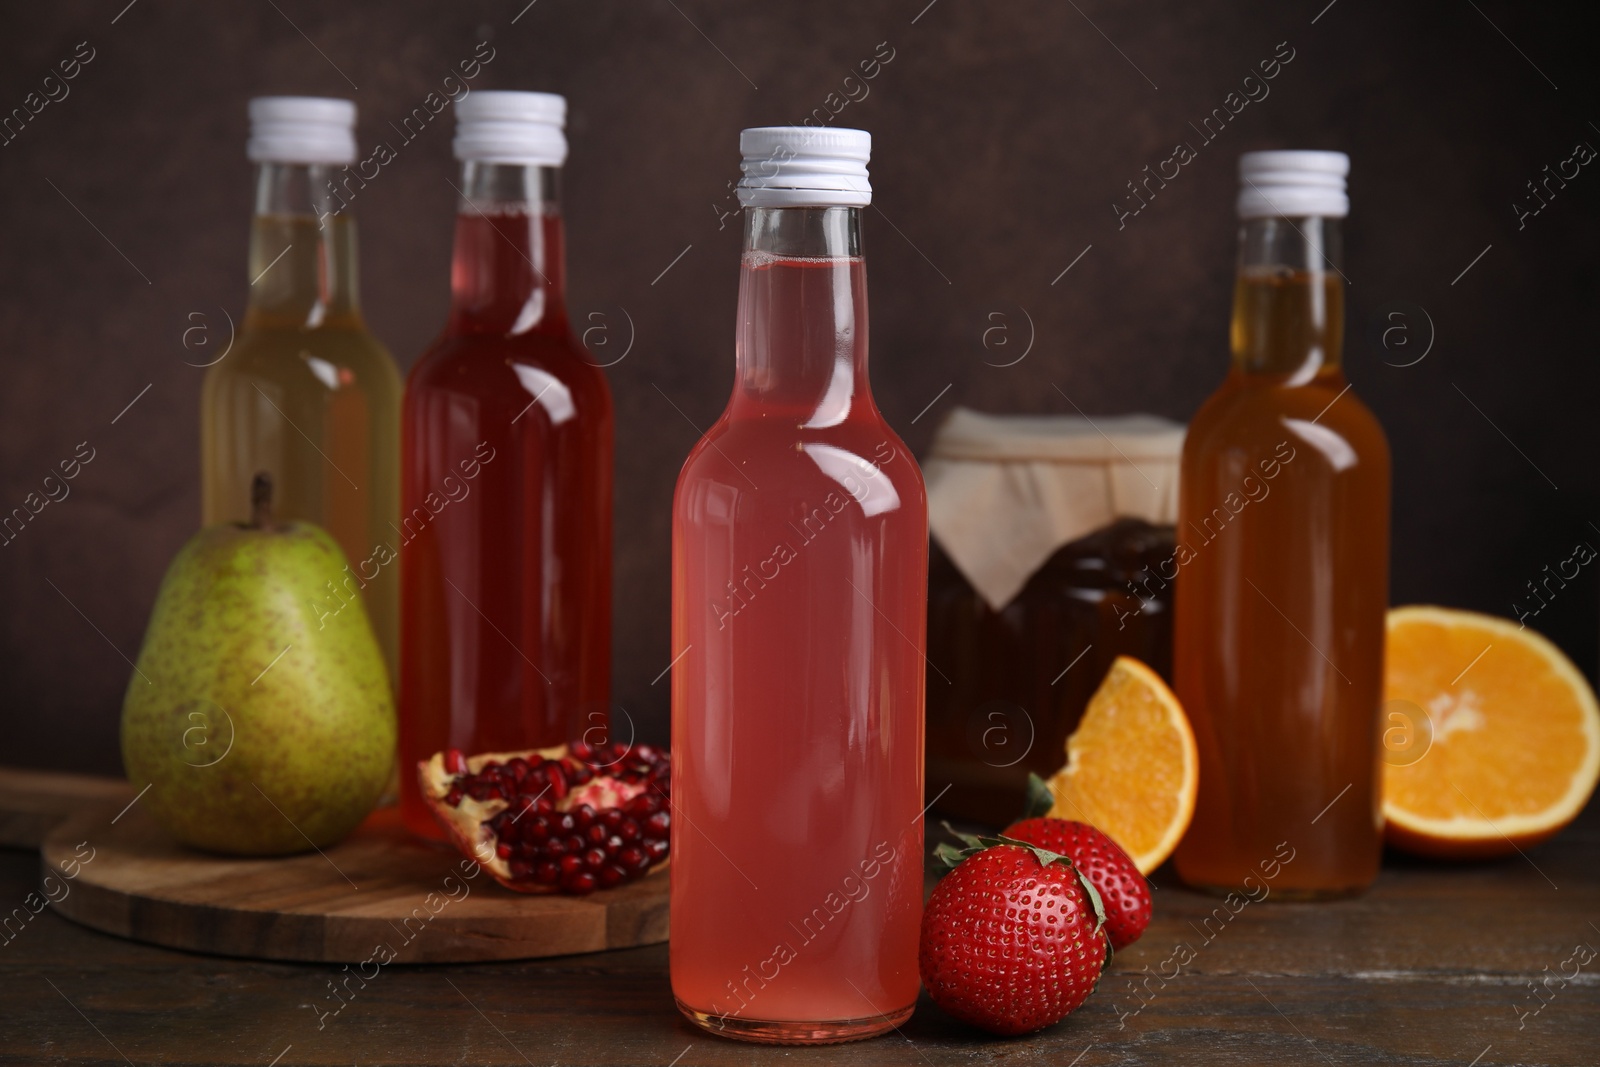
{"x": 1006, "y": 688}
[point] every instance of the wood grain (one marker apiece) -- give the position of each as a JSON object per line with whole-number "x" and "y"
{"x": 377, "y": 897}
{"x": 1430, "y": 968}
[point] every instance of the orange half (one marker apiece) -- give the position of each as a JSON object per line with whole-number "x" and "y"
{"x": 1509, "y": 731}
{"x": 1132, "y": 769}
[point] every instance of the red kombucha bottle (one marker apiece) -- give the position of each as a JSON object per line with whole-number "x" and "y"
{"x": 505, "y": 524}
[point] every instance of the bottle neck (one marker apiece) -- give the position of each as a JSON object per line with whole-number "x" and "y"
{"x": 1288, "y": 302}
{"x": 302, "y": 250}
{"x": 802, "y": 342}
{"x": 508, "y": 274}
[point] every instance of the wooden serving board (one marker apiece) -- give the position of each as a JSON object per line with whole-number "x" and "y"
{"x": 380, "y": 895}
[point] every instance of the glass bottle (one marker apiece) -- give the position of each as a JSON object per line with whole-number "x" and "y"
{"x": 800, "y": 537}
{"x": 306, "y": 393}
{"x": 1283, "y": 548}
{"x": 505, "y": 530}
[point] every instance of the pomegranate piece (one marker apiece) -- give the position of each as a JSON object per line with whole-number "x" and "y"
{"x": 571, "y": 819}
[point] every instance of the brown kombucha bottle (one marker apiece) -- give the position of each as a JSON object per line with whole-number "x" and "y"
{"x": 1283, "y": 549}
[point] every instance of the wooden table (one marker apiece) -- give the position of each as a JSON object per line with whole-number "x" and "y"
{"x": 1436, "y": 965}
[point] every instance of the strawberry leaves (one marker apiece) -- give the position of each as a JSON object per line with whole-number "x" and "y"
{"x": 1041, "y": 801}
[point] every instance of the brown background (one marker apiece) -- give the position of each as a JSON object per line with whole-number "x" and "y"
{"x": 1003, "y": 132}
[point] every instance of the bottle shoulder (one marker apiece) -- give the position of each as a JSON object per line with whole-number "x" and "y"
{"x": 542, "y": 385}
{"x": 339, "y": 357}
{"x": 1324, "y": 416}
{"x": 464, "y": 362}
{"x": 778, "y": 459}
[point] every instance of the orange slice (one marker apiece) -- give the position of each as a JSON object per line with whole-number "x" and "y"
{"x": 1132, "y": 769}
{"x": 1500, "y": 735}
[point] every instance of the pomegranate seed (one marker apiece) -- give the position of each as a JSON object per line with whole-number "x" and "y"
{"x": 578, "y": 849}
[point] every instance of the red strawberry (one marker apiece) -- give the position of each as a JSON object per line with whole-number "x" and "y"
{"x": 1011, "y": 939}
{"x": 1123, "y": 890}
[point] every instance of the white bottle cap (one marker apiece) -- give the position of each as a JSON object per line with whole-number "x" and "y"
{"x": 497, "y": 126}
{"x": 1293, "y": 184}
{"x": 301, "y": 129}
{"x": 803, "y": 166}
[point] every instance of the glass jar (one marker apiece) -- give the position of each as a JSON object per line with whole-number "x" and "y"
{"x": 1019, "y": 678}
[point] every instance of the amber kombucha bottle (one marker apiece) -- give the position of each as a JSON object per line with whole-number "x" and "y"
{"x": 306, "y": 392}
{"x": 1283, "y": 548}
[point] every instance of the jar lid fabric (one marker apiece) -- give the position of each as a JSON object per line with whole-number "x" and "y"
{"x": 1006, "y": 491}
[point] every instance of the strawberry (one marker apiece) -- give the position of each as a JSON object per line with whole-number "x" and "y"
{"x": 1012, "y": 937}
{"x": 1122, "y": 888}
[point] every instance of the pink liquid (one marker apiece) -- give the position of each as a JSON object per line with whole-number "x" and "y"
{"x": 799, "y": 610}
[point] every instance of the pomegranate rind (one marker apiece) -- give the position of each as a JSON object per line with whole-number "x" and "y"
{"x": 464, "y": 823}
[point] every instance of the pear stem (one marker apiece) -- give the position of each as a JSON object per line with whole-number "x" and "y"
{"x": 261, "y": 501}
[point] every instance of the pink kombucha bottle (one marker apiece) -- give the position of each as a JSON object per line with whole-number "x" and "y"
{"x": 799, "y": 588}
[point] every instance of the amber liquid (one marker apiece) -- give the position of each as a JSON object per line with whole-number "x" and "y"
{"x": 308, "y": 395}
{"x": 1283, "y": 541}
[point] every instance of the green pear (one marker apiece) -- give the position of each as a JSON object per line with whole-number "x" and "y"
{"x": 259, "y": 714}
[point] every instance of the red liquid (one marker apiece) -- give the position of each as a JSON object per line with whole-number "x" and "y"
{"x": 505, "y": 513}
{"x": 799, "y": 610}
